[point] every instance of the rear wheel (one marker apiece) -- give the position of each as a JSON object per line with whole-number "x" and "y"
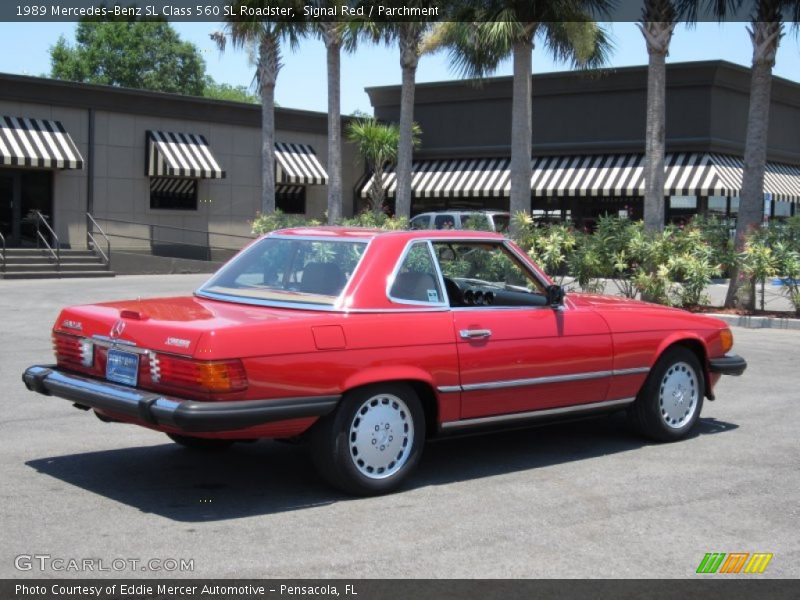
{"x": 198, "y": 443}
{"x": 669, "y": 404}
{"x": 371, "y": 443}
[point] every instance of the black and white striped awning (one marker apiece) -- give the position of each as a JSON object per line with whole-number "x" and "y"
{"x": 604, "y": 175}
{"x": 37, "y": 143}
{"x": 180, "y": 155}
{"x": 289, "y": 190}
{"x": 173, "y": 186}
{"x": 471, "y": 177}
{"x": 298, "y": 164}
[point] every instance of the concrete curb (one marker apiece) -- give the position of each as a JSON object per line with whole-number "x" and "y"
{"x": 758, "y": 322}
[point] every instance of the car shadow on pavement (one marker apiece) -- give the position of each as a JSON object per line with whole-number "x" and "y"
{"x": 271, "y": 477}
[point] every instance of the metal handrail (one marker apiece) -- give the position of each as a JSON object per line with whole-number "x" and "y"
{"x": 57, "y": 252}
{"x": 90, "y": 237}
{"x": 3, "y": 255}
{"x": 233, "y": 235}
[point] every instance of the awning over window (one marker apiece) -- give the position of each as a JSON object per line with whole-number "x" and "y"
{"x": 37, "y": 143}
{"x": 691, "y": 174}
{"x": 452, "y": 178}
{"x": 289, "y": 190}
{"x": 173, "y": 186}
{"x": 298, "y": 164}
{"x": 180, "y": 155}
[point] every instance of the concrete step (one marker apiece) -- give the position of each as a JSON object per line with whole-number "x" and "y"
{"x": 55, "y": 274}
{"x": 39, "y": 259}
{"x": 39, "y": 267}
{"x": 38, "y": 251}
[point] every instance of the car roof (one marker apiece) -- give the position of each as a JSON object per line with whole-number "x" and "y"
{"x": 360, "y": 233}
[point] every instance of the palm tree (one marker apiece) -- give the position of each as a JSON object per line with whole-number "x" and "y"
{"x": 504, "y": 28}
{"x": 265, "y": 38}
{"x": 657, "y": 24}
{"x": 378, "y": 144}
{"x": 766, "y": 30}
{"x": 335, "y": 35}
{"x": 409, "y": 36}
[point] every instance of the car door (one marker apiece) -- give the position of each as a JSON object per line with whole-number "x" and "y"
{"x": 515, "y": 353}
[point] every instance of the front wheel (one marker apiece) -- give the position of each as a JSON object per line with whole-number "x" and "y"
{"x": 373, "y": 440}
{"x": 669, "y": 404}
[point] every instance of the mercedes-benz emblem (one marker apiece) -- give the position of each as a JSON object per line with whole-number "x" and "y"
{"x": 117, "y": 329}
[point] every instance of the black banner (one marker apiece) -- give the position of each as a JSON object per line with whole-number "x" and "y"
{"x": 387, "y": 589}
{"x": 300, "y": 10}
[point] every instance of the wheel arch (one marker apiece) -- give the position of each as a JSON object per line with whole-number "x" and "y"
{"x": 697, "y": 346}
{"x": 420, "y": 381}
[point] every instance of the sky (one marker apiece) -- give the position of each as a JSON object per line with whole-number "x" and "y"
{"x": 24, "y": 49}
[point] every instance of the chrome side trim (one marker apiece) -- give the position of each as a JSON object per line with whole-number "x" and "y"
{"x": 535, "y": 414}
{"x": 494, "y": 385}
{"x": 448, "y": 389}
{"x": 633, "y": 371}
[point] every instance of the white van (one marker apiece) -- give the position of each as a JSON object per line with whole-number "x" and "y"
{"x": 489, "y": 220}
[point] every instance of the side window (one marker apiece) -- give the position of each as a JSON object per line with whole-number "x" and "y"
{"x": 420, "y": 222}
{"x": 416, "y": 281}
{"x": 445, "y": 222}
{"x": 486, "y": 274}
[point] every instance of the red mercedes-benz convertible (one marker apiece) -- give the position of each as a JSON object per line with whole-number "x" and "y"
{"x": 366, "y": 343}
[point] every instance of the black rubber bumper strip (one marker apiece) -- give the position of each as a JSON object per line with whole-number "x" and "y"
{"x": 730, "y": 364}
{"x": 186, "y": 415}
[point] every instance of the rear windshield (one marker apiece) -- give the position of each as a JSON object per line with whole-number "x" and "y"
{"x": 276, "y": 269}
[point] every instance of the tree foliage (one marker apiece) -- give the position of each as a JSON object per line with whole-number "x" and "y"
{"x": 231, "y": 93}
{"x": 137, "y": 54}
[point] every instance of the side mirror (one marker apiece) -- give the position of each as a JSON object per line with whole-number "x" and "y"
{"x": 555, "y": 295}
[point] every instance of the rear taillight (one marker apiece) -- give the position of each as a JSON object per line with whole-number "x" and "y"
{"x": 209, "y": 375}
{"x": 73, "y": 351}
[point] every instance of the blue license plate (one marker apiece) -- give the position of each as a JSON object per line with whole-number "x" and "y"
{"x": 122, "y": 367}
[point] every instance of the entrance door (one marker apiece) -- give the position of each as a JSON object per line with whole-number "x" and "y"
{"x": 22, "y": 193}
{"x": 10, "y": 210}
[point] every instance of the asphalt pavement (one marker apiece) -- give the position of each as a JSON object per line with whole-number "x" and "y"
{"x": 582, "y": 499}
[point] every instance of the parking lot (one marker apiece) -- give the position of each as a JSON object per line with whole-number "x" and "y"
{"x": 583, "y": 499}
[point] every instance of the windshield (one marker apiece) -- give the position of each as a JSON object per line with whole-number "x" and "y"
{"x": 302, "y": 271}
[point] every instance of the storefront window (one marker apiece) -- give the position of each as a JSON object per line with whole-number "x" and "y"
{"x": 718, "y": 206}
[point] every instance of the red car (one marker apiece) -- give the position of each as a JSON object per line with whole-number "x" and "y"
{"x": 366, "y": 343}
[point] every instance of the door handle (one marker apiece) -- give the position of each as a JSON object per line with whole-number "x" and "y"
{"x": 473, "y": 334}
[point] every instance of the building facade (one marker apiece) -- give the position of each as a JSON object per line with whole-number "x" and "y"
{"x": 151, "y": 168}
{"x": 588, "y": 142}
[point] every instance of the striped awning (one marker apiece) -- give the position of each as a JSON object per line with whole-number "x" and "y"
{"x": 289, "y": 190}
{"x": 173, "y": 186}
{"x": 472, "y": 177}
{"x": 604, "y": 175}
{"x": 298, "y": 164}
{"x": 37, "y": 143}
{"x": 180, "y": 155}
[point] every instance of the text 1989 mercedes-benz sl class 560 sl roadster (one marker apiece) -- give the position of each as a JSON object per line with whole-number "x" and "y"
{"x": 366, "y": 343}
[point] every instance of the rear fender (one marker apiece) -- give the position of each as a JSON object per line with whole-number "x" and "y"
{"x": 387, "y": 373}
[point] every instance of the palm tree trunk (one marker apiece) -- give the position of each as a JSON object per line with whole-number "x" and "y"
{"x": 268, "y": 67}
{"x": 765, "y": 37}
{"x": 377, "y": 191}
{"x": 333, "y": 48}
{"x": 409, "y": 59}
{"x": 521, "y": 134}
{"x": 658, "y": 36}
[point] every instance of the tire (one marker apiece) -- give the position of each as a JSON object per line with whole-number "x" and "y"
{"x": 372, "y": 441}
{"x": 203, "y": 444}
{"x": 669, "y": 404}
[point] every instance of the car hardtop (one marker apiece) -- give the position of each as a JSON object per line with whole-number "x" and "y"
{"x": 363, "y": 233}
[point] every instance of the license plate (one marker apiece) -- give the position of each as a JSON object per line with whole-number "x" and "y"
{"x": 122, "y": 367}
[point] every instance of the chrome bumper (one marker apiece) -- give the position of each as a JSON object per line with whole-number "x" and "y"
{"x": 185, "y": 415}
